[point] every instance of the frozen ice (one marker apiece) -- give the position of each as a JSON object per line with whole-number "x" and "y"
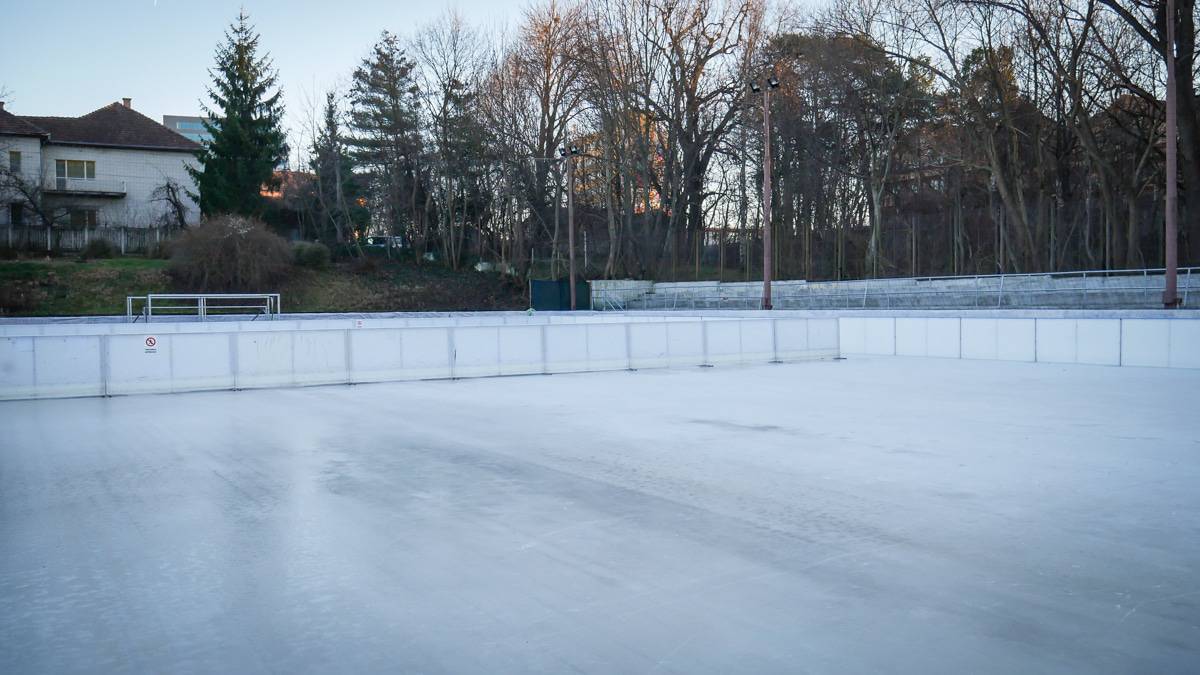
{"x": 866, "y": 515}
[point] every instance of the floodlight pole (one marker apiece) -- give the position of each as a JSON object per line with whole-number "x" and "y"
{"x": 1170, "y": 288}
{"x": 766, "y": 196}
{"x": 571, "y": 225}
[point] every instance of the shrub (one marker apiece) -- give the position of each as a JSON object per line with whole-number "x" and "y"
{"x": 366, "y": 265}
{"x": 311, "y": 255}
{"x": 230, "y": 254}
{"x": 20, "y": 296}
{"x": 8, "y": 252}
{"x": 97, "y": 248}
{"x": 162, "y": 250}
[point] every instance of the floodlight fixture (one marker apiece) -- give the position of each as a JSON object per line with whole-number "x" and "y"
{"x": 754, "y": 87}
{"x": 773, "y": 82}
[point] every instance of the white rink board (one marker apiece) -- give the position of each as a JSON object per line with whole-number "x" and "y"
{"x": 242, "y": 355}
{"x": 1165, "y": 343}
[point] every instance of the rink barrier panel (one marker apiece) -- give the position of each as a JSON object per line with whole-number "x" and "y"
{"x": 119, "y": 362}
{"x": 1154, "y": 342}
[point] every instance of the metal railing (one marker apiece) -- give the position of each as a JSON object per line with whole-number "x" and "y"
{"x": 84, "y": 185}
{"x": 1125, "y": 289}
{"x": 201, "y": 305}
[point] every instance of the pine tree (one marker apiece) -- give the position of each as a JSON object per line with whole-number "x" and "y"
{"x": 385, "y": 126}
{"x": 245, "y": 123}
{"x": 337, "y": 191}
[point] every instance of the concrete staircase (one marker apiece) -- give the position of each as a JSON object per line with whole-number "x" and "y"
{"x": 1141, "y": 289}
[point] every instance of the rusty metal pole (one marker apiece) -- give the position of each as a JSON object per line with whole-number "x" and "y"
{"x": 1170, "y": 289}
{"x": 571, "y": 225}
{"x": 766, "y": 190}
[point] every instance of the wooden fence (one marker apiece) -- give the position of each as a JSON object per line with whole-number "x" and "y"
{"x": 71, "y": 239}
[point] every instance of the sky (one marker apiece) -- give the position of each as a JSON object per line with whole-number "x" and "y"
{"x": 158, "y": 52}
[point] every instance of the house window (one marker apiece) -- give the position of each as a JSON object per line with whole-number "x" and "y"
{"x": 75, "y": 168}
{"x": 16, "y": 214}
{"x": 83, "y": 217}
{"x": 14, "y": 161}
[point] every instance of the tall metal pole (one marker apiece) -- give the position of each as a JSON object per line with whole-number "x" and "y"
{"x": 1170, "y": 293}
{"x": 571, "y": 225}
{"x": 766, "y": 190}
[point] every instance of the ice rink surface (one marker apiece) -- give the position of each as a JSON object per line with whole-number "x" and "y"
{"x": 869, "y": 515}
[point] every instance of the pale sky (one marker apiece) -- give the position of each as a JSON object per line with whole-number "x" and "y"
{"x": 69, "y": 57}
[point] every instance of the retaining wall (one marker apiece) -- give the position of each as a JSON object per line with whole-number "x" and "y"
{"x": 242, "y": 355}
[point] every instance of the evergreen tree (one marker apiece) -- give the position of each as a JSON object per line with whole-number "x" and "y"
{"x": 385, "y": 126}
{"x": 245, "y": 123}
{"x": 337, "y": 190}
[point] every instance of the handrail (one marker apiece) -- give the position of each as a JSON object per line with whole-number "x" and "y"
{"x": 844, "y": 295}
{"x": 270, "y": 306}
{"x": 972, "y": 296}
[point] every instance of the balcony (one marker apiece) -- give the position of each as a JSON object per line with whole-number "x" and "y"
{"x": 84, "y": 187}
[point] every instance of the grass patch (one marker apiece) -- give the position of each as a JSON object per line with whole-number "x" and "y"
{"x": 69, "y": 288}
{"x": 63, "y": 287}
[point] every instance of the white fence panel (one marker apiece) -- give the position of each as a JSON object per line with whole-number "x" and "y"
{"x": 1056, "y": 340}
{"x": 607, "y": 346}
{"x": 1097, "y": 341}
{"x": 791, "y": 339}
{"x": 979, "y": 338}
{"x": 1185, "y": 344}
{"x": 724, "y": 340}
{"x": 476, "y": 351}
{"x": 685, "y": 342}
{"x": 426, "y": 353}
{"x": 319, "y": 357}
{"x": 521, "y": 350}
{"x": 376, "y": 355}
{"x": 17, "y": 370}
{"x": 566, "y": 348}
{"x": 649, "y": 346}
{"x": 758, "y": 340}
{"x": 1016, "y": 340}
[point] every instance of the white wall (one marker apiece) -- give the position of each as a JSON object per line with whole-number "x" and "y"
{"x": 31, "y": 162}
{"x": 1121, "y": 341}
{"x": 142, "y": 171}
{"x": 273, "y": 354}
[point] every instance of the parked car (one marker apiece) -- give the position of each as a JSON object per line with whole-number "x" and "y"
{"x": 385, "y": 241}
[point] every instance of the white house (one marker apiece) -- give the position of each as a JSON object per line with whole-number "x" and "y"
{"x": 106, "y": 168}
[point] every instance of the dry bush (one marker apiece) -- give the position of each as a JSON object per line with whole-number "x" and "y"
{"x": 311, "y": 255}
{"x": 232, "y": 254}
{"x": 96, "y": 249}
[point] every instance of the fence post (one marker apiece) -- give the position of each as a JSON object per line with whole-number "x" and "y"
{"x": 123, "y": 228}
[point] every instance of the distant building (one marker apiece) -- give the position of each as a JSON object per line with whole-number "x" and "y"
{"x": 191, "y": 128}
{"x": 108, "y": 167}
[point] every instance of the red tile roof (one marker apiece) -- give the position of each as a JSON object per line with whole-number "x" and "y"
{"x": 111, "y": 126}
{"x": 12, "y": 125}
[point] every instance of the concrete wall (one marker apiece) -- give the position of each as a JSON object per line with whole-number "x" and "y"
{"x": 224, "y": 355}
